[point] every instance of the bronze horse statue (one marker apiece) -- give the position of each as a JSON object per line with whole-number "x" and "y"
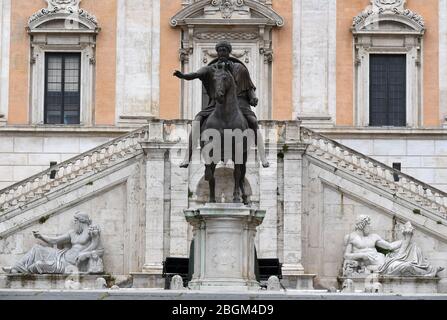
{"x": 227, "y": 117}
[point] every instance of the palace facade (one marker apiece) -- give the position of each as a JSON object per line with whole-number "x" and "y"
{"x": 369, "y": 74}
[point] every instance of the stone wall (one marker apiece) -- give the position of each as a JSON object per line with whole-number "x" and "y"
{"x": 423, "y": 158}
{"x": 27, "y": 153}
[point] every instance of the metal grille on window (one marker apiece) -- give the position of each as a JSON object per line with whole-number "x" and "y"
{"x": 62, "y": 88}
{"x": 387, "y": 105}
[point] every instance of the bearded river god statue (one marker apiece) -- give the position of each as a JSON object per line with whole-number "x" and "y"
{"x": 404, "y": 260}
{"x": 82, "y": 252}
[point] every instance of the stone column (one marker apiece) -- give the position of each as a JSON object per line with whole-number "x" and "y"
{"x": 138, "y": 45}
{"x": 293, "y": 151}
{"x": 314, "y": 34}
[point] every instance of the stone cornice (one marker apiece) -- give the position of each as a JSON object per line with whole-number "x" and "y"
{"x": 195, "y": 14}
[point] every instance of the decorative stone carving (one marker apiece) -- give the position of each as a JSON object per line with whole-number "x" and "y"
{"x": 393, "y": 7}
{"x": 348, "y": 286}
{"x": 232, "y": 10}
{"x": 375, "y": 287}
{"x": 408, "y": 260}
{"x": 72, "y": 285}
{"x": 226, "y": 35}
{"x": 101, "y": 283}
{"x": 68, "y": 5}
{"x": 60, "y": 7}
{"x": 226, "y": 8}
{"x": 404, "y": 260}
{"x": 82, "y": 254}
{"x": 242, "y": 55}
{"x": 176, "y": 283}
{"x": 273, "y": 284}
{"x": 361, "y": 255}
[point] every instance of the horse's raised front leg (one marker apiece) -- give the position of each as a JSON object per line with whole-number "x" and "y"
{"x": 237, "y": 177}
{"x": 209, "y": 176}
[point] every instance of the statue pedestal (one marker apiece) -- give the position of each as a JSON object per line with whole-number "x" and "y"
{"x": 224, "y": 249}
{"x": 398, "y": 285}
{"x": 49, "y": 281}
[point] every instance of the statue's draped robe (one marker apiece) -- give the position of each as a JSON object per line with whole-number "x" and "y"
{"x": 408, "y": 263}
{"x": 243, "y": 86}
{"x": 43, "y": 260}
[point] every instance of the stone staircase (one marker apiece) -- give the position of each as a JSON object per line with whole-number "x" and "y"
{"x": 426, "y": 200}
{"x": 424, "y": 196}
{"x": 21, "y": 194}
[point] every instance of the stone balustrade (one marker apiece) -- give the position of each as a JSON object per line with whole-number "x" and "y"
{"x": 94, "y": 160}
{"x": 375, "y": 172}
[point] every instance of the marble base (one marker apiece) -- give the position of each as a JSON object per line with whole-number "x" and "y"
{"x": 396, "y": 285}
{"x": 224, "y": 247}
{"x": 299, "y": 282}
{"x": 50, "y": 281}
{"x": 147, "y": 280}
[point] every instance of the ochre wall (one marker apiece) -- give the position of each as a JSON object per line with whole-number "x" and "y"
{"x": 20, "y": 60}
{"x": 169, "y": 61}
{"x": 346, "y": 10}
{"x": 105, "y": 11}
{"x": 282, "y": 62}
{"x": 429, "y": 11}
{"x": 105, "y": 92}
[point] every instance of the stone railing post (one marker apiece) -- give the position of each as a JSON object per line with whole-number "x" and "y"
{"x": 155, "y": 151}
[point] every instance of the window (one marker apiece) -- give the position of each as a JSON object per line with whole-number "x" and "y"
{"x": 387, "y": 105}
{"x": 62, "y": 88}
{"x": 388, "y": 46}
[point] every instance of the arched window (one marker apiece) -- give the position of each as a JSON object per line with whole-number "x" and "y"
{"x": 388, "y": 80}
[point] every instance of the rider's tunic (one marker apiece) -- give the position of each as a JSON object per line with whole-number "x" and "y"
{"x": 243, "y": 85}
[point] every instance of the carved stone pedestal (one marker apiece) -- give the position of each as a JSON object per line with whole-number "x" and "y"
{"x": 398, "y": 285}
{"x": 51, "y": 281}
{"x": 224, "y": 250}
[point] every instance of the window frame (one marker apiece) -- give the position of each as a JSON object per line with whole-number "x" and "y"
{"x": 63, "y": 55}
{"x": 388, "y": 124}
{"x": 366, "y": 45}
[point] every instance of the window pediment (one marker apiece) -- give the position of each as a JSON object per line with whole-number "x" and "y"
{"x": 217, "y": 12}
{"x": 388, "y": 16}
{"x": 63, "y": 15}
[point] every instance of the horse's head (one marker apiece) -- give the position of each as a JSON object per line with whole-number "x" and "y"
{"x": 223, "y": 81}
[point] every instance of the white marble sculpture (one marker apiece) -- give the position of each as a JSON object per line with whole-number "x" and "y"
{"x": 273, "y": 284}
{"x": 176, "y": 283}
{"x": 361, "y": 255}
{"x": 408, "y": 260}
{"x": 82, "y": 252}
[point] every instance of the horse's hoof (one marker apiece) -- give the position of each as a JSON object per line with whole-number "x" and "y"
{"x": 265, "y": 164}
{"x": 212, "y": 201}
{"x": 245, "y": 200}
{"x": 236, "y": 200}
